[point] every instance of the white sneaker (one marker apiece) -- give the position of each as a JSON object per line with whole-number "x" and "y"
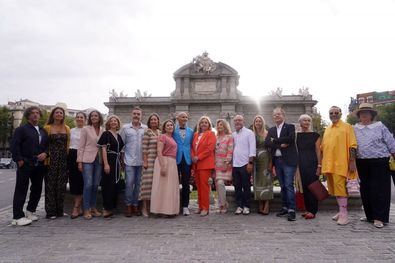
{"x": 246, "y": 211}
{"x": 185, "y": 211}
{"x": 23, "y": 221}
{"x": 32, "y": 216}
{"x": 238, "y": 211}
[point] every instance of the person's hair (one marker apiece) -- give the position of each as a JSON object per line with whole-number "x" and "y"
{"x": 164, "y": 125}
{"x": 279, "y": 109}
{"x": 100, "y": 118}
{"x": 263, "y": 124}
{"x": 107, "y": 125}
{"x": 336, "y": 107}
{"x": 137, "y": 108}
{"x": 208, "y": 120}
{"x": 227, "y": 129}
{"x": 29, "y": 111}
{"x": 305, "y": 116}
{"x": 82, "y": 113}
{"x": 150, "y": 117}
{"x": 51, "y": 119}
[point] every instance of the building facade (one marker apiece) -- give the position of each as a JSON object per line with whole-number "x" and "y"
{"x": 204, "y": 87}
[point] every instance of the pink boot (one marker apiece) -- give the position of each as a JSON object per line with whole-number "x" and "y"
{"x": 343, "y": 214}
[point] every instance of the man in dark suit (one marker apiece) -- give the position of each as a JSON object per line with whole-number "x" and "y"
{"x": 281, "y": 141}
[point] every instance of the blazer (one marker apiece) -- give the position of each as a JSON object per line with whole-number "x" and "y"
{"x": 287, "y": 136}
{"x": 26, "y": 144}
{"x": 183, "y": 147}
{"x": 205, "y": 150}
{"x": 87, "y": 149}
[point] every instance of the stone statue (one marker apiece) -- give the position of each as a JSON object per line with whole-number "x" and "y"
{"x": 278, "y": 92}
{"x": 304, "y": 91}
{"x": 204, "y": 63}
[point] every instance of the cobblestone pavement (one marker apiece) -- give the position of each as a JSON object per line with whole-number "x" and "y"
{"x": 215, "y": 238}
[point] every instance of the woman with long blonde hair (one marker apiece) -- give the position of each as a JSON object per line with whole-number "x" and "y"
{"x": 263, "y": 181}
{"x": 223, "y": 162}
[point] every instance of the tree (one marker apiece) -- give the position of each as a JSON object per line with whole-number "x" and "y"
{"x": 5, "y": 128}
{"x": 44, "y": 118}
{"x": 386, "y": 114}
{"x": 319, "y": 125}
{"x": 352, "y": 118}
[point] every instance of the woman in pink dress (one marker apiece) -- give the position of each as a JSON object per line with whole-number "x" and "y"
{"x": 223, "y": 162}
{"x": 165, "y": 194}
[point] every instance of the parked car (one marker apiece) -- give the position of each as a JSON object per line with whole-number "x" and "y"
{"x": 6, "y": 163}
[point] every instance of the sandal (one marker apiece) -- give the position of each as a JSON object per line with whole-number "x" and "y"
{"x": 95, "y": 213}
{"x": 309, "y": 215}
{"x": 75, "y": 213}
{"x": 87, "y": 215}
{"x": 107, "y": 214}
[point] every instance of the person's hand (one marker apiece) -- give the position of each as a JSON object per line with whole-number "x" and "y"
{"x": 145, "y": 165}
{"x": 21, "y": 163}
{"x": 249, "y": 168}
{"x": 318, "y": 171}
{"x": 107, "y": 169}
{"x": 41, "y": 157}
{"x": 284, "y": 145}
{"x": 195, "y": 159}
{"x": 351, "y": 166}
{"x": 80, "y": 167}
{"x": 163, "y": 172}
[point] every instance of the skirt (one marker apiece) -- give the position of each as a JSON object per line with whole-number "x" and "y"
{"x": 76, "y": 181}
{"x": 165, "y": 194}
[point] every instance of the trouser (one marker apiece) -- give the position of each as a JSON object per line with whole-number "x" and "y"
{"x": 375, "y": 188}
{"x": 242, "y": 184}
{"x": 109, "y": 190}
{"x": 55, "y": 189}
{"x": 203, "y": 188}
{"x": 286, "y": 174}
{"x": 221, "y": 190}
{"x": 132, "y": 184}
{"x": 310, "y": 202}
{"x": 23, "y": 174}
{"x": 184, "y": 173}
{"x": 92, "y": 175}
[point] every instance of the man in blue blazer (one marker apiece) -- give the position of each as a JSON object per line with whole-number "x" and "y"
{"x": 281, "y": 140}
{"x": 183, "y": 135}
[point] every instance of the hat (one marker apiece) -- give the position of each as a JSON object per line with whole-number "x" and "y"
{"x": 366, "y": 107}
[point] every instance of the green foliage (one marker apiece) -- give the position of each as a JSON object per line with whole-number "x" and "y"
{"x": 44, "y": 118}
{"x": 352, "y": 119}
{"x": 319, "y": 125}
{"x": 387, "y": 116}
{"x": 5, "y": 126}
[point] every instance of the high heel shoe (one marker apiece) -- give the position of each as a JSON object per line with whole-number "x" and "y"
{"x": 204, "y": 213}
{"x": 75, "y": 213}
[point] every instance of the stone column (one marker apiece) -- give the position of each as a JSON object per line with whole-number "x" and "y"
{"x": 186, "y": 87}
{"x": 178, "y": 88}
{"x": 224, "y": 93}
{"x": 232, "y": 88}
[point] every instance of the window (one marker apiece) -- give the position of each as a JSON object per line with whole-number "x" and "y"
{"x": 361, "y": 100}
{"x": 370, "y": 99}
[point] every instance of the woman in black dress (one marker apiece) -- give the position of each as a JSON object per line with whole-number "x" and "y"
{"x": 309, "y": 156}
{"x": 111, "y": 145}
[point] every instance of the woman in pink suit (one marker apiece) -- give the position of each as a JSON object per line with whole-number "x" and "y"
{"x": 203, "y": 158}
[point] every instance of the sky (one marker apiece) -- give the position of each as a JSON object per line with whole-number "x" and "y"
{"x": 77, "y": 51}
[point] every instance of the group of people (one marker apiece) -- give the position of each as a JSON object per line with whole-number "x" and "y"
{"x": 158, "y": 157}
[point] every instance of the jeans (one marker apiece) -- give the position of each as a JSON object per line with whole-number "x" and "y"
{"x": 92, "y": 175}
{"x": 132, "y": 184}
{"x": 242, "y": 184}
{"x": 286, "y": 174}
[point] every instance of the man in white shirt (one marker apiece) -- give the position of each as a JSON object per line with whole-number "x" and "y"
{"x": 132, "y": 135}
{"x": 243, "y": 156}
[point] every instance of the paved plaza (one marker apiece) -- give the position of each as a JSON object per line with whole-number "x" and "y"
{"x": 215, "y": 238}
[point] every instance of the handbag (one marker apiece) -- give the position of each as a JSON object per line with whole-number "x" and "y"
{"x": 318, "y": 190}
{"x": 392, "y": 164}
{"x": 353, "y": 187}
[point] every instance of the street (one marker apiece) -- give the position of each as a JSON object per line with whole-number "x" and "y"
{"x": 7, "y": 185}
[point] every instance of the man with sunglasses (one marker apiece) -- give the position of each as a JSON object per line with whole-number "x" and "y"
{"x": 338, "y": 148}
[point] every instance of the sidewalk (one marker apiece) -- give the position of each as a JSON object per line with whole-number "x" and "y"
{"x": 215, "y": 238}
